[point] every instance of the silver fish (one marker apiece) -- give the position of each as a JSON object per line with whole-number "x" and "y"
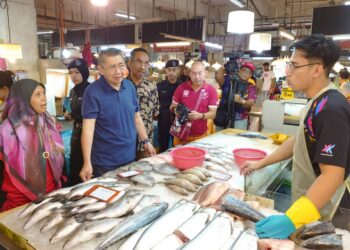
{"x": 215, "y": 167}
{"x": 52, "y": 220}
{"x": 165, "y": 169}
{"x": 240, "y": 208}
{"x": 203, "y": 171}
{"x": 41, "y": 212}
{"x": 326, "y": 241}
{"x": 214, "y": 159}
{"x": 143, "y": 166}
{"x": 196, "y": 172}
{"x": 82, "y": 202}
{"x": 67, "y": 227}
{"x": 191, "y": 178}
{"x": 166, "y": 224}
{"x": 144, "y": 179}
{"x": 214, "y": 235}
{"x": 177, "y": 189}
{"x": 248, "y": 240}
{"x": 314, "y": 229}
{"x": 90, "y": 230}
{"x": 130, "y": 243}
{"x": 119, "y": 209}
{"x": 78, "y": 192}
{"x": 28, "y": 209}
{"x": 183, "y": 183}
{"x": 59, "y": 192}
{"x": 133, "y": 223}
{"x": 146, "y": 201}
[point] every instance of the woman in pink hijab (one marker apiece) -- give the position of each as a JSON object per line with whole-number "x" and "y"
{"x": 31, "y": 147}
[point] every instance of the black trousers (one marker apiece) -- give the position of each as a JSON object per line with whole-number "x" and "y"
{"x": 76, "y": 157}
{"x": 164, "y": 124}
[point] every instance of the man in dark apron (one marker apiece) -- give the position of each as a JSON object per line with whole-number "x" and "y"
{"x": 166, "y": 91}
{"x": 320, "y": 150}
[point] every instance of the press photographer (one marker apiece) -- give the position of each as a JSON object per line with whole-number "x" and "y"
{"x": 198, "y": 97}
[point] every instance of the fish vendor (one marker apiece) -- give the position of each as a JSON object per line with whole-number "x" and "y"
{"x": 109, "y": 134}
{"x": 321, "y": 148}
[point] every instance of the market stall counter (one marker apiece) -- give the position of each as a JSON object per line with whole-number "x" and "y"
{"x": 157, "y": 204}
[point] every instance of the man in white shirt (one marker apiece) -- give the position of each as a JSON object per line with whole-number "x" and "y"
{"x": 269, "y": 81}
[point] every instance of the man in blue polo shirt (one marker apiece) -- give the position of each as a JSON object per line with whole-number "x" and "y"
{"x": 111, "y": 119}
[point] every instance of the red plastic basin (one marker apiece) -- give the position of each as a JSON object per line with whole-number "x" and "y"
{"x": 241, "y": 155}
{"x": 188, "y": 157}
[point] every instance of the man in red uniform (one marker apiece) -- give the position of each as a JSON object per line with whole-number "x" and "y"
{"x": 200, "y": 98}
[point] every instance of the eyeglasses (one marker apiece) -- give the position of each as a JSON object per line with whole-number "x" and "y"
{"x": 121, "y": 67}
{"x": 292, "y": 66}
{"x": 140, "y": 63}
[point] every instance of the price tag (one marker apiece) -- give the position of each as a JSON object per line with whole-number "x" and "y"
{"x": 287, "y": 94}
{"x": 129, "y": 173}
{"x": 103, "y": 193}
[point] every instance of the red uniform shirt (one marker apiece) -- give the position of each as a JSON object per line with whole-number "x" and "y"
{"x": 14, "y": 196}
{"x": 185, "y": 94}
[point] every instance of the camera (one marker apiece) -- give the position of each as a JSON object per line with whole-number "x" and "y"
{"x": 183, "y": 112}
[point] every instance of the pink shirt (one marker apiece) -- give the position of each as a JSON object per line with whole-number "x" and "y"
{"x": 184, "y": 94}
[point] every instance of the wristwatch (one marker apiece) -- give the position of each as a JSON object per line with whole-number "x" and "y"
{"x": 145, "y": 141}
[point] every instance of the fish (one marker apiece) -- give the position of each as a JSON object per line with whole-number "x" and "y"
{"x": 248, "y": 240}
{"x": 165, "y": 169}
{"x": 240, "y": 208}
{"x": 142, "y": 166}
{"x": 90, "y": 230}
{"x": 211, "y": 193}
{"x": 42, "y": 212}
{"x": 215, "y": 167}
{"x": 59, "y": 192}
{"x": 214, "y": 235}
{"x": 275, "y": 244}
{"x": 28, "y": 209}
{"x": 115, "y": 172}
{"x": 326, "y": 241}
{"x": 203, "y": 171}
{"x": 314, "y": 229}
{"x": 252, "y": 135}
{"x": 220, "y": 176}
{"x": 190, "y": 228}
{"x": 144, "y": 179}
{"x": 118, "y": 209}
{"x": 177, "y": 189}
{"x": 134, "y": 222}
{"x": 171, "y": 242}
{"x": 238, "y": 228}
{"x": 130, "y": 243}
{"x": 67, "y": 227}
{"x": 191, "y": 178}
{"x": 82, "y": 202}
{"x": 183, "y": 183}
{"x": 196, "y": 172}
{"x": 213, "y": 159}
{"x": 146, "y": 201}
{"x": 166, "y": 224}
{"x": 52, "y": 220}
{"x": 79, "y": 191}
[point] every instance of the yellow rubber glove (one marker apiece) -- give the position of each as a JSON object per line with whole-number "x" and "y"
{"x": 302, "y": 212}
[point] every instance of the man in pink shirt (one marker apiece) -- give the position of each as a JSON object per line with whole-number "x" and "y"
{"x": 200, "y": 98}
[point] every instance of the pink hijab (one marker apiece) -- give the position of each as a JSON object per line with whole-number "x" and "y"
{"x": 28, "y": 140}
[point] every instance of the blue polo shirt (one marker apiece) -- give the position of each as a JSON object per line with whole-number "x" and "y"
{"x": 114, "y": 141}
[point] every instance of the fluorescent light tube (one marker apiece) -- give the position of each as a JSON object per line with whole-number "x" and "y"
{"x": 173, "y": 44}
{"x": 213, "y": 45}
{"x": 238, "y": 3}
{"x": 125, "y": 16}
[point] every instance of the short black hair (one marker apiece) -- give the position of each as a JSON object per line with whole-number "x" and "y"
{"x": 6, "y": 79}
{"x": 134, "y": 51}
{"x": 107, "y": 53}
{"x": 317, "y": 46}
{"x": 266, "y": 64}
{"x": 344, "y": 74}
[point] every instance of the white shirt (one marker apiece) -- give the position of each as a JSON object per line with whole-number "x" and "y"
{"x": 267, "y": 76}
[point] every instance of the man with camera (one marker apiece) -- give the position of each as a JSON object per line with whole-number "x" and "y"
{"x": 194, "y": 102}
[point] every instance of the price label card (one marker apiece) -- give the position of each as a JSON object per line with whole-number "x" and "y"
{"x": 103, "y": 193}
{"x": 129, "y": 173}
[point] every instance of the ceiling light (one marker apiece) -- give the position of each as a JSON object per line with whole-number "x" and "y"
{"x": 286, "y": 34}
{"x": 238, "y": 3}
{"x": 44, "y": 32}
{"x": 240, "y": 22}
{"x": 260, "y": 41}
{"x": 347, "y": 3}
{"x": 99, "y": 3}
{"x": 341, "y": 37}
{"x": 66, "y": 53}
{"x": 262, "y": 58}
{"x": 213, "y": 45}
{"x": 125, "y": 16}
{"x": 216, "y": 66}
{"x": 173, "y": 44}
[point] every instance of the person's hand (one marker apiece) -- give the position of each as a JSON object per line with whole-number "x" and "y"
{"x": 275, "y": 227}
{"x": 150, "y": 149}
{"x": 250, "y": 166}
{"x": 194, "y": 115}
{"x": 238, "y": 98}
{"x": 86, "y": 172}
{"x": 67, "y": 116}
